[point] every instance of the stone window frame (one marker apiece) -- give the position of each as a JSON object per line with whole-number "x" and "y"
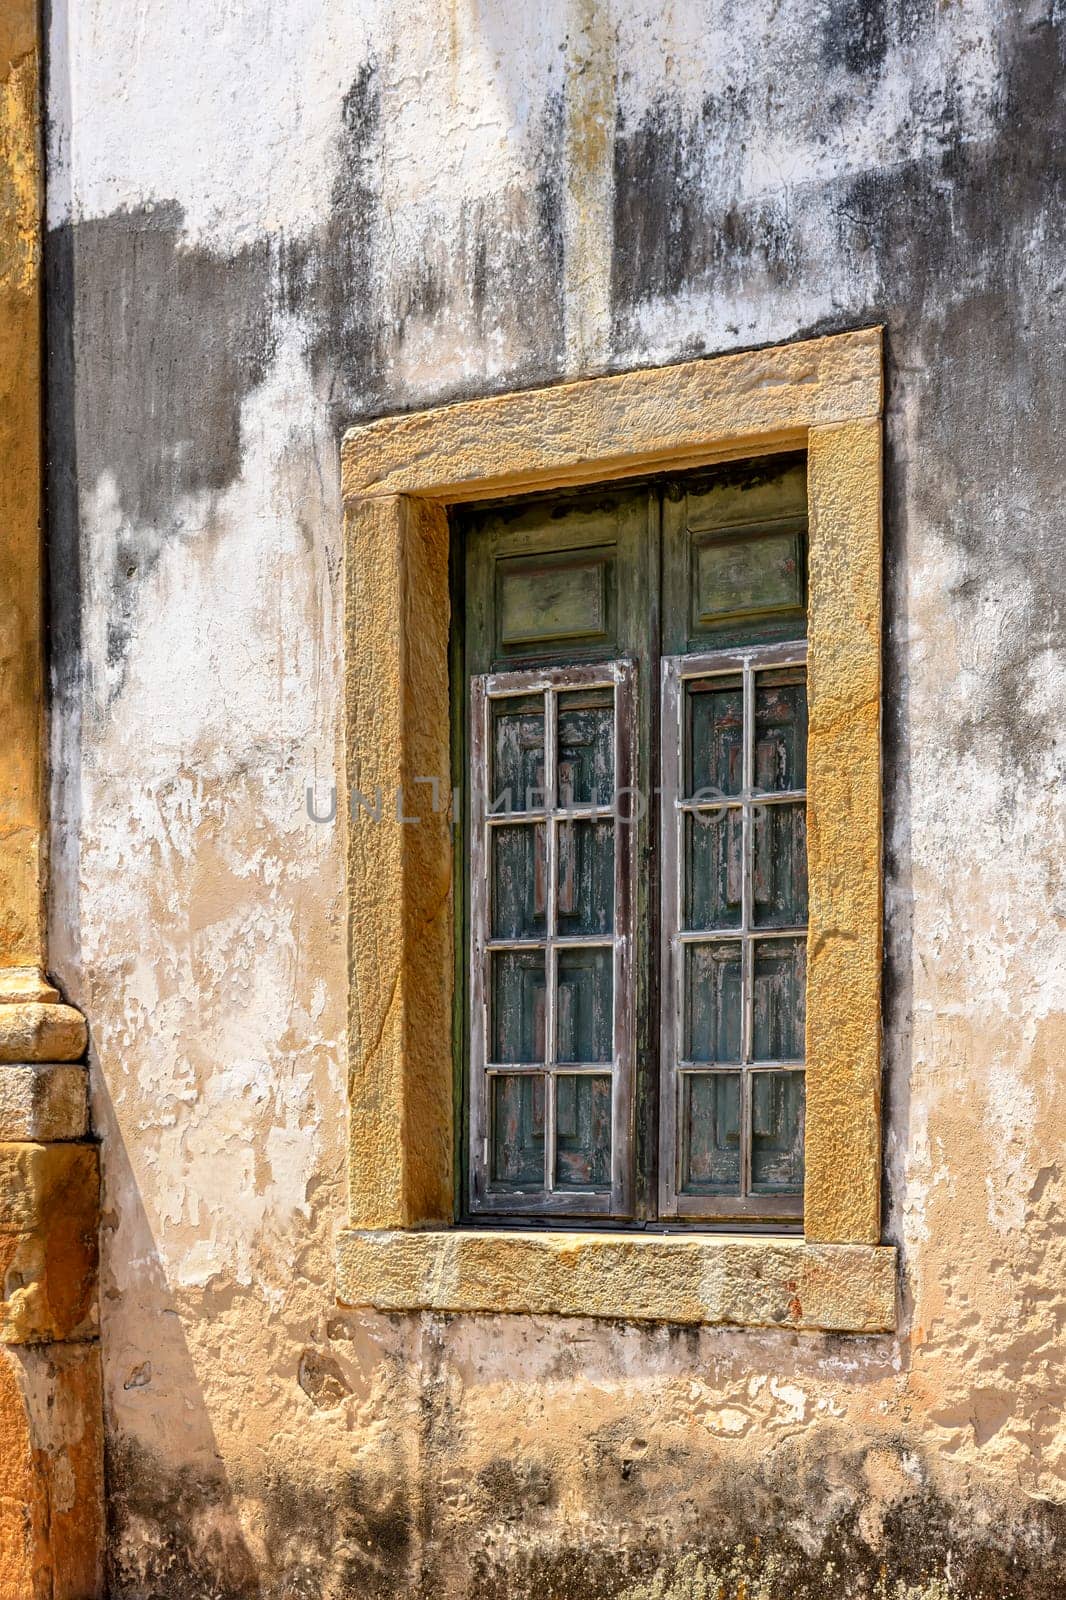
{"x": 401, "y": 1250}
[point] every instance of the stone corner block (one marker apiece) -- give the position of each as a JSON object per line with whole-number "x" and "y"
{"x": 49, "y": 1212}
{"x": 52, "y": 1506}
{"x": 34, "y": 1032}
{"x": 43, "y": 1101}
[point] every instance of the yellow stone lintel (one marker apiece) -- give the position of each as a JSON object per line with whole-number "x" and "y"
{"x": 600, "y": 428}
{"x": 710, "y": 1278}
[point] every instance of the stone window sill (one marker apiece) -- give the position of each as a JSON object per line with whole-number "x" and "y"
{"x": 758, "y": 1282}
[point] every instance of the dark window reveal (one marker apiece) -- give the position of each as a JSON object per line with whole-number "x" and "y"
{"x": 632, "y": 965}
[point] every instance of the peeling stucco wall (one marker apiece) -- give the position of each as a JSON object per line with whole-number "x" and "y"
{"x": 270, "y": 220}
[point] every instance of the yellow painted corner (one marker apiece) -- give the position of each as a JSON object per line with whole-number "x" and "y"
{"x": 21, "y": 702}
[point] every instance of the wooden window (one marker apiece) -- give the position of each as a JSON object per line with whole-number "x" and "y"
{"x": 633, "y": 971}
{"x": 553, "y": 1004}
{"x": 734, "y": 932}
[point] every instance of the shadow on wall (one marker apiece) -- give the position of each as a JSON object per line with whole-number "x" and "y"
{"x": 173, "y": 1527}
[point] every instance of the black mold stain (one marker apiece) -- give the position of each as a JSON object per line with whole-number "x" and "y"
{"x": 513, "y": 1490}
{"x": 669, "y": 236}
{"x": 169, "y": 340}
{"x": 968, "y": 246}
{"x": 730, "y": 1533}
{"x": 175, "y": 1536}
{"x": 855, "y": 35}
{"x": 172, "y": 1535}
{"x": 958, "y": 254}
{"x": 329, "y": 278}
{"x": 497, "y": 274}
{"x": 153, "y": 346}
{"x": 62, "y": 545}
{"x": 357, "y": 1540}
{"x": 503, "y": 278}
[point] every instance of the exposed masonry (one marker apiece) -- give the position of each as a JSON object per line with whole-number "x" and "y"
{"x": 269, "y": 222}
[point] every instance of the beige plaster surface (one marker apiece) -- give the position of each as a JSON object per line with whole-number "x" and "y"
{"x": 387, "y": 207}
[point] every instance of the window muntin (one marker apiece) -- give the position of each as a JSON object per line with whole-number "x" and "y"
{"x": 734, "y": 922}
{"x": 552, "y": 996}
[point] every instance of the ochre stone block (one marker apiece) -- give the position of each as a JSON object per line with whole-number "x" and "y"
{"x": 21, "y": 984}
{"x": 609, "y": 427}
{"x": 21, "y": 688}
{"x": 30, "y": 1032}
{"x": 400, "y": 914}
{"x": 753, "y": 1282}
{"x": 49, "y": 1201}
{"x": 51, "y": 1500}
{"x": 43, "y": 1102}
{"x": 843, "y": 1138}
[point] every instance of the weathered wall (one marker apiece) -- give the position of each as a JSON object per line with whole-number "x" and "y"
{"x": 269, "y": 220}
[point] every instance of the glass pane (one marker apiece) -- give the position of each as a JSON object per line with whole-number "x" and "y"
{"x": 586, "y": 747}
{"x": 585, "y": 1006}
{"x": 714, "y": 714}
{"x": 779, "y": 880}
{"x": 780, "y": 1001}
{"x": 582, "y": 1131}
{"x": 713, "y": 868}
{"x": 519, "y": 880}
{"x": 777, "y": 1105}
{"x": 585, "y": 863}
{"x": 780, "y": 730}
{"x": 518, "y": 755}
{"x": 518, "y": 1131}
{"x": 710, "y": 1132}
{"x": 712, "y": 1002}
{"x": 517, "y": 1032}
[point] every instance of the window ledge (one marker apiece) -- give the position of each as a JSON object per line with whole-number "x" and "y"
{"x": 759, "y": 1282}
